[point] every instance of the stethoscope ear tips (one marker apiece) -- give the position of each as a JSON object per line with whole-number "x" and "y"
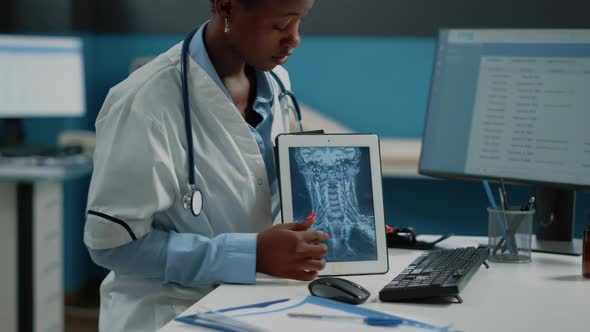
{"x": 193, "y": 200}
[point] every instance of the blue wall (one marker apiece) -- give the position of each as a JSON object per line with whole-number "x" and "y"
{"x": 384, "y": 79}
{"x": 371, "y": 85}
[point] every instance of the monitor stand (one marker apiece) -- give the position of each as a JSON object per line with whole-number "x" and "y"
{"x": 12, "y": 143}
{"x": 14, "y": 132}
{"x": 555, "y": 222}
{"x": 572, "y": 248}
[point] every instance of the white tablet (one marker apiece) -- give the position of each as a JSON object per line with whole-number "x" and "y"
{"x": 339, "y": 177}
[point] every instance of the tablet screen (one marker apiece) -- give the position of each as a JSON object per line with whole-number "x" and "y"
{"x": 336, "y": 182}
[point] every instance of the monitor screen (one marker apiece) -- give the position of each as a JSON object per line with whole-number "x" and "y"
{"x": 41, "y": 77}
{"x": 510, "y": 104}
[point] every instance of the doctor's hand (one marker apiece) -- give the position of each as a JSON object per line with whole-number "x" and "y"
{"x": 291, "y": 251}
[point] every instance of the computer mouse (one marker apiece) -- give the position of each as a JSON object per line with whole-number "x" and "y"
{"x": 338, "y": 289}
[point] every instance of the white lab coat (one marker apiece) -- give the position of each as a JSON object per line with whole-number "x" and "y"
{"x": 141, "y": 176}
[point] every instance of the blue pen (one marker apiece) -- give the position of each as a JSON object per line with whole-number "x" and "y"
{"x": 373, "y": 321}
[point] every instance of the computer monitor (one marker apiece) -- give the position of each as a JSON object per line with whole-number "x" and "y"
{"x": 40, "y": 76}
{"x": 513, "y": 105}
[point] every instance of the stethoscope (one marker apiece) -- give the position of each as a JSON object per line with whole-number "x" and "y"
{"x": 193, "y": 199}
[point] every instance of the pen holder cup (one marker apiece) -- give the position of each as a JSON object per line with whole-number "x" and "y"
{"x": 510, "y": 235}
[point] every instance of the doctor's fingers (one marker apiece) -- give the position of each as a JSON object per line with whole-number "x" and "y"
{"x": 311, "y": 264}
{"x": 304, "y": 275}
{"x": 306, "y": 250}
{"x": 313, "y": 236}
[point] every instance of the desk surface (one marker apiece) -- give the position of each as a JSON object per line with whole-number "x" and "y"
{"x": 548, "y": 294}
{"x": 44, "y": 169}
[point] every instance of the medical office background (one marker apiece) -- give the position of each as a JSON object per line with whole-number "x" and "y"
{"x": 363, "y": 63}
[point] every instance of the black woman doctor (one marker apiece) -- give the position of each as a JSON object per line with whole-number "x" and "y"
{"x": 162, "y": 255}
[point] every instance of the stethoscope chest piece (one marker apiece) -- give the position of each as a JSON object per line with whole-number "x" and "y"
{"x": 193, "y": 200}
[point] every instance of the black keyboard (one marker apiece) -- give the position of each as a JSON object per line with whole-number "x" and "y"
{"x": 20, "y": 151}
{"x": 442, "y": 273}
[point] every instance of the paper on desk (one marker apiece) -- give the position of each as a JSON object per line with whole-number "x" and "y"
{"x": 272, "y": 316}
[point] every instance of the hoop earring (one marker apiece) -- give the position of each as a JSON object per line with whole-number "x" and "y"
{"x": 226, "y": 28}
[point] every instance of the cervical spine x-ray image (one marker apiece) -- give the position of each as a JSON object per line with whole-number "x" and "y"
{"x": 336, "y": 183}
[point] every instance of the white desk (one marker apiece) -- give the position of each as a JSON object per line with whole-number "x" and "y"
{"x": 548, "y": 294}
